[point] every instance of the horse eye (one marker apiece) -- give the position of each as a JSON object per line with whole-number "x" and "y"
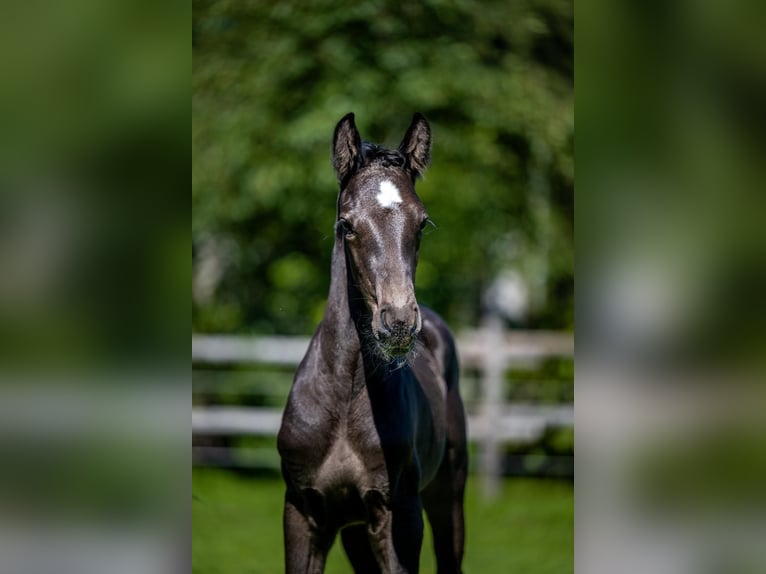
{"x": 347, "y": 229}
{"x": 426, "y": 222}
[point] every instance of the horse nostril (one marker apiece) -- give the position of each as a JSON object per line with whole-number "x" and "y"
{"x": 385, "y": 326}
{"x": 416, "y": 326}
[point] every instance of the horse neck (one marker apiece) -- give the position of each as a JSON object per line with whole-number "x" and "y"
{"x": 346, "y": 323}
{"x": 339, "y": 335}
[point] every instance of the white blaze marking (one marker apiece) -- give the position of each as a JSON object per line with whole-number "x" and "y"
{"x": 388, "y": 195}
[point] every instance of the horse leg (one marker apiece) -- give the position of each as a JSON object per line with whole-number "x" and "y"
{"x": 443, "y": 503}
{"x": 407, "y": 532}
{"x": 306, "y": 546}
{"x": 396, "y": 533}
{"x": 358, "y": 549}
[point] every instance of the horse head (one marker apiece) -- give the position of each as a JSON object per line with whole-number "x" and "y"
{"x": 380, "y": 223}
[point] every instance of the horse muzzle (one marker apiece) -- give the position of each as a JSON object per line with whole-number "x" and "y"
{"x": 398, "y": 327}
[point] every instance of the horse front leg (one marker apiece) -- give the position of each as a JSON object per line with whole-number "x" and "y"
{"x": 443, "y": 502}
{"x": 395, "y": 532}
{"x": 306, "y": 545}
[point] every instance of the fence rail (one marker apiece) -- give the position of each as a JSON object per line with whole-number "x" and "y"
{"x": 516, "y": 422}
{"x": 288, "y": 351}
{"x": 232, "y": 349}
{"x": 490, "y": 351}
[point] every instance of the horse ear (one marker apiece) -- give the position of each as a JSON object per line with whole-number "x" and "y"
{"x": 416, "y": 146}
{"x": 346, "y": 148}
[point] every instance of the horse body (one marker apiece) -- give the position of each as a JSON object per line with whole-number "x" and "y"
{"x": 374, "y": 429}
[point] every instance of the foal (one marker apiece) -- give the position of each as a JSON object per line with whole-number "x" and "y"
{"x": 374, "y": 428}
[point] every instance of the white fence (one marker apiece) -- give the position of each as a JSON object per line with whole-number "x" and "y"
{"x": 489, "y": 351}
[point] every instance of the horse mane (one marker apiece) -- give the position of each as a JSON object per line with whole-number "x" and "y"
{"x": 375, "y": 154}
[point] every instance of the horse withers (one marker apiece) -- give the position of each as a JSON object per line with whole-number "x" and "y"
{"x": 374, "y": 428}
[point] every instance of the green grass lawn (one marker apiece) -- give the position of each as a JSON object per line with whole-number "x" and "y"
{"x": 238, "y": 528}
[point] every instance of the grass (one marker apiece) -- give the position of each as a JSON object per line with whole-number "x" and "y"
{"x": 238, "y": 528}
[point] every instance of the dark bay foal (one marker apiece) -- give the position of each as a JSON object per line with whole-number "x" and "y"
{"x": 374, "y": 428}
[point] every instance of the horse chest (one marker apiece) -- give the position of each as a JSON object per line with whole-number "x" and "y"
{"x": 349, "y": 446}
{"x": 348, "y": 462}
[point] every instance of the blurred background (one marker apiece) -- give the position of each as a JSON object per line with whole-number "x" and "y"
{"x": 495, "y": 80}
{"x": 269, "y": 82}
{"x": 94, "y": 275}
{"x": 671, "y": 464}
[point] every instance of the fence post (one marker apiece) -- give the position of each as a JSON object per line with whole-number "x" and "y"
{"x": 494, "y": 363}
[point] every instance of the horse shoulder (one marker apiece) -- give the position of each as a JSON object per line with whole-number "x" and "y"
{"x": 438, "y": 339}
{"x": 306, "y": 429}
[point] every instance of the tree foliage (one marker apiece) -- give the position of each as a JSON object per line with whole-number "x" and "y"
{"x": 270, "y": 80}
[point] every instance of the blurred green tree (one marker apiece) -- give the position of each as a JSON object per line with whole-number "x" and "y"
{"x": 269, "y": 82}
